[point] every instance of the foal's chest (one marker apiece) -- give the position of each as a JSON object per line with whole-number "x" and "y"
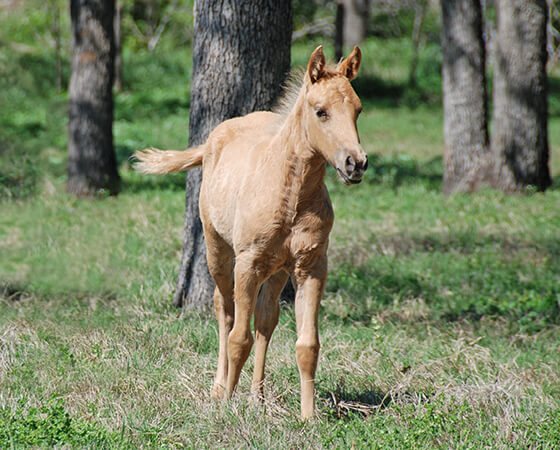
{"x": 309, "y": 236}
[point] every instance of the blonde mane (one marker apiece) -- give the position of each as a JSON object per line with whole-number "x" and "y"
{"x": 292, "y": 87}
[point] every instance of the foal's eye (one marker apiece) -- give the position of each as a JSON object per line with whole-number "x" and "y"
{"x": 321, "y": 114}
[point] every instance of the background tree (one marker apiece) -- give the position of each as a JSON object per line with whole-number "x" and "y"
{"x": 56, "y": 34}
{"x": 520, "y": 134}
{"x": 464, "y": 96}
{"x": 420, "y": 13}
{"x": 117, "y": 27}
{"x": 355, "y": 21}
{"x": 338, "y": 41}
{"x": 92, "y": 164}
{"x": 241, "y": 56}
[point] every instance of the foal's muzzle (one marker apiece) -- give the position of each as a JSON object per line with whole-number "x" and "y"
{"x": 351, "y": 164}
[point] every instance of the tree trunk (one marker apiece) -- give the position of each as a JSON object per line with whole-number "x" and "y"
{"x": 520, "y": 135}
{"x": 56, "y": 36}
{"x": 118, "y": 47}
{"x": 419, "y": 15}
{"x": 464, "y": 96}
{"x": 356, "y": 17}
{"x": 338, "y": 32}
{"x": 240, "y": 59}
{"x": 92, "y": 166}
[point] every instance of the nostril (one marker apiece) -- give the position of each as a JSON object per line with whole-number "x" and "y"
{"x": 366, "y": 164}
{"x": 350, "y": 164}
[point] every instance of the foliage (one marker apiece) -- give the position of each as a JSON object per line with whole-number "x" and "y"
{"x": 395, "y": 19}
{"x": 146, "y": 23}
{"x": 304, "y": 12}
{"x": 50, "y": 425}
{"x": 388, "y": 18}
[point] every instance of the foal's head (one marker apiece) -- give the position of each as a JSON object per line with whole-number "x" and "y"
{"x": 330, "y": 113}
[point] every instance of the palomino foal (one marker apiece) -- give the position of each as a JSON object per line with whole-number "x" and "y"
{"x": 264, "y": 206}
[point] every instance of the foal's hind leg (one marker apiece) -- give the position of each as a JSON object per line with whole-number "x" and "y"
{"x": 220, "y": 263}
{"x": 247, "y": 282}
{"x": 266, "y": 319}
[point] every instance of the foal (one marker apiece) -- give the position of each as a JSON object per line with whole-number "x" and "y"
{"x": 264, "y": 205}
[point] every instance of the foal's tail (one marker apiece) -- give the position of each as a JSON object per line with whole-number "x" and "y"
{"x": 161, "y": 162}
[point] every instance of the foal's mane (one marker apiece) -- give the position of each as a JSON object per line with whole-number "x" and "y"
{"x": 292, "y": 88}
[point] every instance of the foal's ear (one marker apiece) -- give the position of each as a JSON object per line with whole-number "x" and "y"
{"x": 316, "y": 66}
{"x": 349, "y": 67}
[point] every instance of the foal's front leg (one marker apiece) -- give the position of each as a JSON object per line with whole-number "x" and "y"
{"x": 310, "y": 287}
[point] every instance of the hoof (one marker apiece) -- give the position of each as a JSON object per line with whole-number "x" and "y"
{"x": 218, "y": 392}
{"x": 256, "y": 398}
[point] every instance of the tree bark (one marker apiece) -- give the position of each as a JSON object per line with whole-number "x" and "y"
{"x": 419, "y": 15}
{"x": 355, "y": 17}
{"x": 56, "y": 36}
{"x": 241, "y": 57}
{"x": 338, "y": 32}
{"x": 118, "y": 46}
{"x": 464, "y": 96}
{"x": 520, "y": 134}
{"x": 92, "y": 167}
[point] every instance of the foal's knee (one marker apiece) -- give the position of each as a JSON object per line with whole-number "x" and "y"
{"x": 239, "y": 346}
{"x": 307, "y": 354}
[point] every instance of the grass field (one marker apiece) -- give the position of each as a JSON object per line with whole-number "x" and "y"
{"x": 439, "y": 327}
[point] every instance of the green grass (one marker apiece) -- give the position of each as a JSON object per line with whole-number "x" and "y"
{"x": 439, "y": 326}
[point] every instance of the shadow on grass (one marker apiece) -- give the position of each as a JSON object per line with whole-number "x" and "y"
{"x": 13, "y": 292}
{"x": 367, "y": 289}
{"x": 460, "y": 243}
{"x": 396, "y": 171}
{"x": 343, "y": 402}
{"x": 461, "y": 277}
{"x": 401, "y": 170}
{"x": 393, "y": 94}
{"x": 369, "y": 87}
{"x": 143, "y": 183}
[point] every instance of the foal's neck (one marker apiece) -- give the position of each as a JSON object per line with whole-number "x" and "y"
{"x": 304, "y": 167}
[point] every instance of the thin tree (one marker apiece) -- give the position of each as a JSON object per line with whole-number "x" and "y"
{"x": 520, "y": 134}
{"x": 355, "y": 21}
{"x": 338, "y": 41}
{"x": 92, "y": 166}
{"x": 420, "y": 13}
{"x": 464, "y": 96}
{"x": 117, "y": 27}
{"x": 241, "y": 56}
{"x": 55, "y": 27}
